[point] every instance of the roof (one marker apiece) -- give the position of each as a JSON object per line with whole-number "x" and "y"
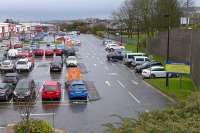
{"x": 77, "y": 82}
{"x": 51, "y": 83}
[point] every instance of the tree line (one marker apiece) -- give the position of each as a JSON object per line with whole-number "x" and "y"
{"x": 150, "y": 16}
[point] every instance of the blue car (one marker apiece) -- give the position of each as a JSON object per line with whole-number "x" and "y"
{"x": 78, "y": 90}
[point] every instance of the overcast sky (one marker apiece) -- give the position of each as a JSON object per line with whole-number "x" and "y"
{"x": 58, "y": 9}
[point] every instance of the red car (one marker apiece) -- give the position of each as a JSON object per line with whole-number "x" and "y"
{"x": 18, "y": 46}
{"x": 51, "y": 90}
{"x": 39, "y": 52}
{"x": 49, "y": 52}
{"x": 25, "y": 54}
{"x": 58, "y": 52}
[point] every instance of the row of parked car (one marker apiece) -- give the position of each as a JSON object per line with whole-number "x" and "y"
{"x": 139, "y": 61}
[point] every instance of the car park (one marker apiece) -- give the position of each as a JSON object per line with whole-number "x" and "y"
{"x": 56, "y": 64}
{"x": 25, "y": 90}
{"x": 7, "y": 65}
{"x": 146, "y": 65}
{"x": 11, "y": 78}
{"x": 6, "y": 91}
{"x": 78, "y": 90}
{"x": 51, "y": 90}
{"x": 49, "y": 52}
{"x": 39, "y": 52}
{"x": 138, "y": 60}
{"x": 24, "y": 65}
{"x": 71, "y": 61}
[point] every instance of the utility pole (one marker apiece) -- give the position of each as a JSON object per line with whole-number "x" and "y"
{"x": 121, "y": 32}
{"x": 138, "y": 36}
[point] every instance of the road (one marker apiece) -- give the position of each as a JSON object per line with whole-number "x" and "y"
{"x": 121, "y": 93}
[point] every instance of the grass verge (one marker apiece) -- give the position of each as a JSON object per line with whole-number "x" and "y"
{"x": 175, "y": 90}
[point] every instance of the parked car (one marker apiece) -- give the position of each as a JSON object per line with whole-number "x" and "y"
{"x": 6, "y": 91}
{"x": 24, "y": 65}
{"x": 58, "y": 52}
{"x": 113, "y": 47}
{"x": 11, "y": 78}
{"x": 18, "y": 46}
{"x": 146, "y": 65}
{"x": 69, "y": 52}
{"x": 138, "y": 60}
{"x": 154, "y": 72}
{"x": 51, "y": 90}
{"x": 71, "y": 61}
{"x": 39, "y": 52}
{"x": 7, "y": 65}
{"x": 25, "y": 53}
{"x": 56, "y": 64}
{"x": 49, "y": 52}
{"x": 78, "y": 90}
{"x": 128, "y": 57}
{"x": 107, "y": 41}
{"x": 25, "y": 90}
{"x": 115, "y": 56}
{"x": 12, "y": 53}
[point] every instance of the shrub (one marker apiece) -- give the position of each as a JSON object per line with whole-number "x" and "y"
{"x": 35, "y": 126}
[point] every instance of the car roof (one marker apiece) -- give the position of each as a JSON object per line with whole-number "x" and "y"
{"x": 7, "y": 61}
{"x": 157, "y": 67}
{"x": 23, "y": 59}
{"x": 51, "y": 83}
{"x": 141, "y": 57}
{"x": 3, "y": 85}
{"x": 11, "y": 74}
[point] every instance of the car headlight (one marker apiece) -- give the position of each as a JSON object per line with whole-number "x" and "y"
{"x": 27, "y": 93}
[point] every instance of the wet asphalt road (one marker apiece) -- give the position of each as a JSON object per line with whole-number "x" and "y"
{"x": 121, "y": 93}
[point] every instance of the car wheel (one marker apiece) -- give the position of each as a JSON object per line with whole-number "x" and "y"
{"x": 153, "y": 76}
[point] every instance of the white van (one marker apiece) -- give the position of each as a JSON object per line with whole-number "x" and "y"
{"x": 138, "y": 60}
{"x": 128, "y": 58}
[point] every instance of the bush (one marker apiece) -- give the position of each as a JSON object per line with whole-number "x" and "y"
{"x": 100, "y": 33}
{"x": 35, "y": 126}
{"x": 183, "y": 118}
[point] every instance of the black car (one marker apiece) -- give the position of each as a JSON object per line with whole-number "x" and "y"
{"x": 69, "y": 52}
{"x": 24, "y": 90}
{"x": 11, "y": 78}
{"x": 115, "y": 56}
{"x": 6, "y": 91}
{"x": 56, "y": 64}
{"x": 146, "y": 65}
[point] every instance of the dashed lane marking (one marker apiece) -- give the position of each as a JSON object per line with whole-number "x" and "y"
{"x": 112, "y": 74}
{"x": 120, "y": 83}
{"x": 131, "y": 94}
{"x": 134, "y": 82}
{"x": 108, "y": 83}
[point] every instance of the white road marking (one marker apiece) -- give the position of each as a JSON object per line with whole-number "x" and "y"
{"x": 131, "y": 94}
{"x": 120, "y": 83}
{"x": 134, "y": 82}
{"x": 2, "y": 127}
{"x": 108, "y": 83}
{"x": 112, "y": 74}
{"x": 95, "y": 64}
{"x": 63, "y": 95}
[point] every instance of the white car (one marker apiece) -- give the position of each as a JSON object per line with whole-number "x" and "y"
{"x": 154, "y": 72}
{"x": 129, "y": 56}
{"x": 113, "y": 46}
{"x": 12, "y": 53}
{"x": 139, "y": 60}
{"x": 24, "y": 64}
{"x": 71, "y": 61}
{"x": 7, "y": 65}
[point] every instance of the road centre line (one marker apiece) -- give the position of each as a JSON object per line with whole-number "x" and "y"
{"x": 134, "y": 82}
{"x": 108, "y": 83}
{"x": 120, "y": 83}
{"x": 131, "y": 94}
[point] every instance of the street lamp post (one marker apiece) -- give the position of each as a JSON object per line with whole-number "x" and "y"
{"x": 138, "y": 36}
{"x": 167, "y": 50}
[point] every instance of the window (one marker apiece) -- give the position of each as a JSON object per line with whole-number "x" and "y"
{"x": 139, "y": 59}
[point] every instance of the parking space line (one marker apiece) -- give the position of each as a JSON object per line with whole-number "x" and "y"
{"x": 108, "y": 83}
{"x": 120, "y": 83}
{"x": 131, "y": 94}
{"x": 63, "y": 95}
{"x": 134, "y": 82}
{"x": 42, "y": 114}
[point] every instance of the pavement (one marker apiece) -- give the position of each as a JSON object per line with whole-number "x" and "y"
{"x": 114, "y": 88}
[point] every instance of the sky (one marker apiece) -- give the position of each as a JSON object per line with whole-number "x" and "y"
{"x": 57, "y": 9}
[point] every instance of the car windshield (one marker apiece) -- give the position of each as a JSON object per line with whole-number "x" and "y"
{"x": 9, "y": 78}
{"x": 22, "y": 86}
{"x": 50, "y": 87}
{"x": 130, "y": 56}
{"x": 6, "y": 63}
{"x": 79, "y": 86}
{"x": 21, "y": 62}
